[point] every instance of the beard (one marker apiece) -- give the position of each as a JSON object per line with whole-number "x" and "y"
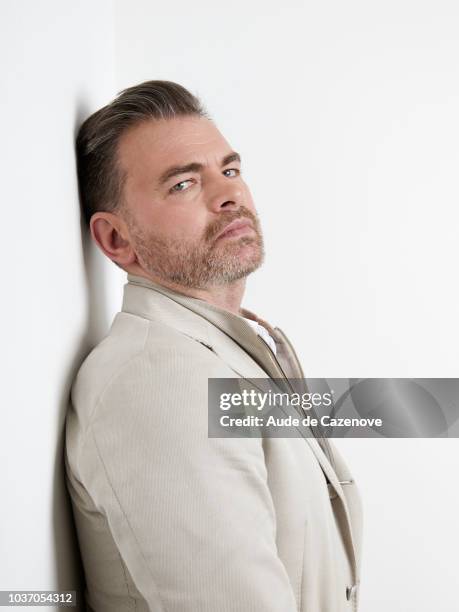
{"x": 204, "y": 262}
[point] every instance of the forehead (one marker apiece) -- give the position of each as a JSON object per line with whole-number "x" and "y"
{"x": 146, "y": 149}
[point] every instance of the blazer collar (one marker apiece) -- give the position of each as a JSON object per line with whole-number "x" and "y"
{"x": 167, "y": 305}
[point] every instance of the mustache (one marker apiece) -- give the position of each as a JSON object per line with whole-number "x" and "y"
{"x": 227, "y": 218}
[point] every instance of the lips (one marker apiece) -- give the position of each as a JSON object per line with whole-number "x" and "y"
{"x": 237, "y": 224}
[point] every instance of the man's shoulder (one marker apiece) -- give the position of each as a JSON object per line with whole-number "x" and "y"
{"x": 125, "y": 339}
{"x": 134, "y": 343}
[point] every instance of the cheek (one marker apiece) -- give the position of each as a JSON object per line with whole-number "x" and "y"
{"x": 184, "y": 224}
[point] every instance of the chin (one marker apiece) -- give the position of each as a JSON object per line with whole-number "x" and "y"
{"x": 252, "y": 261}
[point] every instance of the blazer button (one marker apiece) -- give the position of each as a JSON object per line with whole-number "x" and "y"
{"x": 350, "y": 591}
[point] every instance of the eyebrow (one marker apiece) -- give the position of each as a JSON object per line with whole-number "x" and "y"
{"x": 195, "y": 167}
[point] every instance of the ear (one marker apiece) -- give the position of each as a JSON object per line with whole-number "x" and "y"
{"x": 111, "y": 235}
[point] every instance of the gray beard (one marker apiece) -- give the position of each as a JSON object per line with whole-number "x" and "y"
{"x": 199, "y": 265}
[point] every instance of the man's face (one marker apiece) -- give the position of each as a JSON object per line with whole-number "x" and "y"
{"x": 175, "y": 216}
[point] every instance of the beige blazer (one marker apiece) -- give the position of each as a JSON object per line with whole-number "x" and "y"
{"x": 170, "y": 520}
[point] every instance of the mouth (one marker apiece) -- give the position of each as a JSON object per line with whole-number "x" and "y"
{"x": 238, "y": 227}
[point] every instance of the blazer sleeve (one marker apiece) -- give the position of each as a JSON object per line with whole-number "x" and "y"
{"x": 192, "y": 516}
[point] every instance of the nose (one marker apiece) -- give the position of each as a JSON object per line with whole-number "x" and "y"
{"x": 225, "y": 193}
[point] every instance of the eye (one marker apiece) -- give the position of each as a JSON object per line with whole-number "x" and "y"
{"x": 233, "y": 170}
{"x": 177, "y": 188}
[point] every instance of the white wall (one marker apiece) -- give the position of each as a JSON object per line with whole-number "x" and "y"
{"x": 346, "y": 117}
{"x": 57, "y": 65}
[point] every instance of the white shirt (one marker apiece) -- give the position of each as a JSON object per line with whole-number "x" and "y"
{"x": 263, "y": 332}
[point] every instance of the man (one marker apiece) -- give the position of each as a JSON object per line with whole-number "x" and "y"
{"x": 169, "y": 519}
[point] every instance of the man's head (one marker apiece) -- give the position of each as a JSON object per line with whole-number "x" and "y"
{"x": 159, "y": 183}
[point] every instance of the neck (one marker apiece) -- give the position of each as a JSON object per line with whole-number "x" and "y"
{"x": 228, "y": 297}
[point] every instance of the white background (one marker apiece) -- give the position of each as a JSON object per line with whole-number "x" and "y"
{"x": 346, "y": 117}
{"x": 57, "y": 66}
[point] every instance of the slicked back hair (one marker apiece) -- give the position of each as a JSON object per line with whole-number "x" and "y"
{"x": 100, "y": 178}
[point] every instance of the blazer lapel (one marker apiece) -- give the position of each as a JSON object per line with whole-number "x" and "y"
{"x": 240, "y": 333}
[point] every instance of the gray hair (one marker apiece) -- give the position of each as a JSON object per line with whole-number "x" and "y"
{"x": 100, "y": 178}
